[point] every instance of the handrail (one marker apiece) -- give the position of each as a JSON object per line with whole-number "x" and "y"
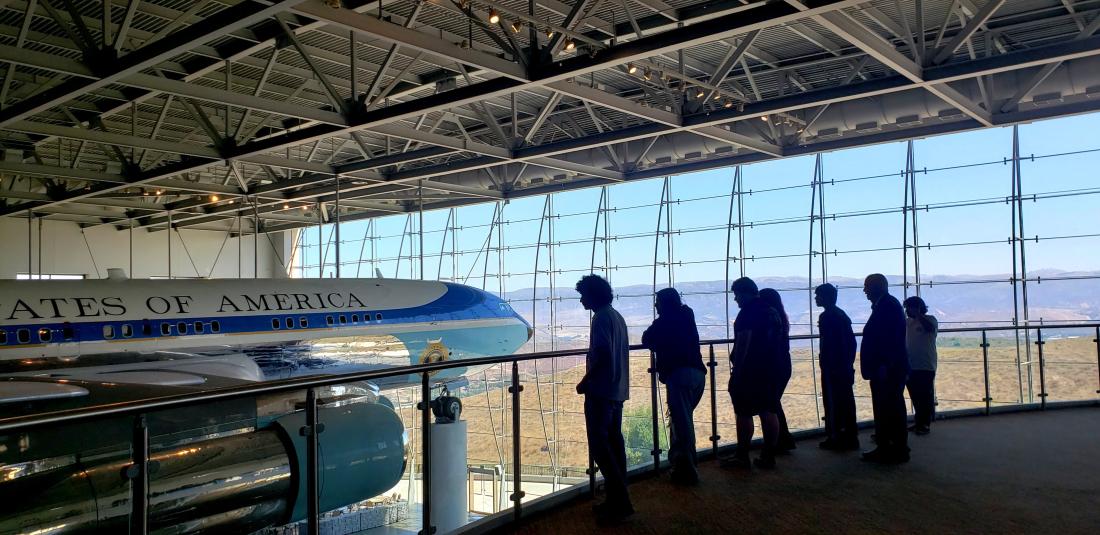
{"x": 124, "y": 408}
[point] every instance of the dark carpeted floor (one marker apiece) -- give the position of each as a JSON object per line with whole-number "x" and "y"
{"x": 1030, "y": 473}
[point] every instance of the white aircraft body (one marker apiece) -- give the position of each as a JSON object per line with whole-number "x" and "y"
{"x": 287, "y": 326}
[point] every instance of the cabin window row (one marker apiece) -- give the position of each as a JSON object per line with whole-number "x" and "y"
{"x": 342, "y": 319}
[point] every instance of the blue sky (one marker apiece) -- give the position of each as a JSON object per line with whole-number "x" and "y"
{"x": 968, "y": 167}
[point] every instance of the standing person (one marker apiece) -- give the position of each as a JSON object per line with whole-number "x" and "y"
{"x": 837, "y": 357}
{"x": 785, "y": 442}
{"x": 920, "y": 342}
{"x": 605, "y": 386}
{"x": 752, "y": 385}
{"x": 674, "y": 338}
{"x": 882, "y": 361}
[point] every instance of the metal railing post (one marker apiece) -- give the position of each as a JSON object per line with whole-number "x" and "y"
{"x": 985, "y": 368}
{"x": 313, "y": 479}
{"x": 1042, "y": 369}
{"x": 714, "y": 436}
{"x": 517, "y": 477}
{"x": 425, "y": 407}
{"x": 654, "y": 416}
{"x": 138, "y": 473}
{"x": 1097, "y": 341}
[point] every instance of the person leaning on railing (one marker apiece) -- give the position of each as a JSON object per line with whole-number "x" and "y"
{"x": 605, "y": 386}
{"x": 920, "y": 343}
{"x": 674, "y": 339}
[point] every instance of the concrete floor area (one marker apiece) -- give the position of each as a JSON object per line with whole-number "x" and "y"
{"x": 1036, "y": 472}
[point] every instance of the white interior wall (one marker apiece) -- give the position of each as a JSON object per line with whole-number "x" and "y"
{"x": 195, "y": 253}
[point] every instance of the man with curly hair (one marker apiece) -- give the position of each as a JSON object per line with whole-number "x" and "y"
{"x": 605, "y": 386}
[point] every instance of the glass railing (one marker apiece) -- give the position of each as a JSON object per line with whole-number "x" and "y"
{"x": 299, "y": 455}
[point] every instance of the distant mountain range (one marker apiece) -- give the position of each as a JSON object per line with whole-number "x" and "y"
{"x": 1057, "y": 296}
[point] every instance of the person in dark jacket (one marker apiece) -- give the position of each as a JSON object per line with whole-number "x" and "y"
{"x": 784, "y": 442}
{"x": 605, "y": 386}
{"x": 837, "y": 357}
{"x": 674, "y": 339}
{"x": 753, "y": 380}
{"x": 883, "y": 361}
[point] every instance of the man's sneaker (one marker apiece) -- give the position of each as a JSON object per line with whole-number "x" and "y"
{"x": 766, "y": 462}
{"x": 736, "y": 462}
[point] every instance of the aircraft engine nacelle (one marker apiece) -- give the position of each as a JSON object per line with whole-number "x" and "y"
{"x": 238, "y": 483}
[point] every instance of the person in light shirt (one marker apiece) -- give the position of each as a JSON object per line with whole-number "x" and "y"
{"x": 920, "y": 343}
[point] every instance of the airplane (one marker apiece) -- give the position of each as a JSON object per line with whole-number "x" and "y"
{"x": 289, "y": 327}
{"x": 71, "y": 344}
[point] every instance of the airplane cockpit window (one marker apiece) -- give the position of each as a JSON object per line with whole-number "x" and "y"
{"x": 165, "y": 329}
{"x": 127, "y": 330}
{"x": 45, "y": 335}
{"x": 275, "y": 323}
{"x": 215, "y": 326}
{"x": 198, "y": 327}
{"x": 303, "y": 322}
{"x": 181, "y": 327}
{"x": 108, "y": 331}
{"x": 328, "y": 321}
{"x": 24, "y": 336}
{"x": 288, "y": 323}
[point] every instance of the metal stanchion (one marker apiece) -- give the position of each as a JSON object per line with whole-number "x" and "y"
{"x": 313, "y": 480}
{"x": 517, "y": 477}
{"x": 1042, "y": 369}
{"x": 714, "y": 436}
{"x": 985, "y": 366}
{"x": 653, "y": 410}
{"x": 1097, "y": 341}
{"x": 426, "y": 453}
{"x": 138, "y": 473}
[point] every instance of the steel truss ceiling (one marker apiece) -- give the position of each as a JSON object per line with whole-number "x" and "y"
{"x": 290, "y": 112}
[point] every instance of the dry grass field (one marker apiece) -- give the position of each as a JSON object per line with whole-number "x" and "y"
{"x": 553, "y": 423}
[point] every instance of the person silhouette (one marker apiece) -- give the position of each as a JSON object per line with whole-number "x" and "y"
{"x": 920, "y": 342}
{"x": 674, "y": 339}
{"x": 605, "y": 386}
{"x": 836, "y": 356}
{"x": 753, "y": 385}
{"x": 784, "y": 442}
{"x": 883, "y": 362}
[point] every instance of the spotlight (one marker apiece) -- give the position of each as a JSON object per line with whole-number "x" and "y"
{"x": 549, "y": 33}
{"x": 646, "y": 74}
{"x": 569, "y": 45}
{"x": 516, "y": 26}
{"x": 631, "y": 68}
{"x": 699, "y": 93}
{"x": 494, "y": 17}
{"x": 764, "y": 118}
{"x": 230, "y": 201}
{"x": 159, "y": 192}
{"x": 286, "y": 206}
{"x": 213, "y": 198}
{"x": 728, "y": 104}
{"x": 717, "y": 96}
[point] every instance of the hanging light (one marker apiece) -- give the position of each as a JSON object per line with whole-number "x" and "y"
{"x": 699, "y": 93}
{"x": 631, "y": 68}
{"x": 569, "y": 44}
{"x": 728, "y": 104}
{"x": 516, "y": 26}
{"x": 717, "y": 96}
{"x": 494, "y": 17}
{"x": 213, "y": 198}
{"x": 646, "y": 74}
{"x": 549, "y": 33}
{"x": 286, "y": 206}
{"x": 159, "y": 192}
{"x": 764, "y": 118}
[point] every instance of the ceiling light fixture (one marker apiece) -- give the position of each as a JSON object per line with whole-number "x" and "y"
{"x": 569, "y": 44}
{"x": 213, "y": 198}
{"x": 699, "y": 93}
{"x": 631, "y": 68}
{"x": 728, "y": 104}
{"x": 549, "y": 33}
{"x": 764, "y": 118}
{"x": 494, "y": 17}
{"x": 516, "y": 26}
{"x": 286, "y": 206}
